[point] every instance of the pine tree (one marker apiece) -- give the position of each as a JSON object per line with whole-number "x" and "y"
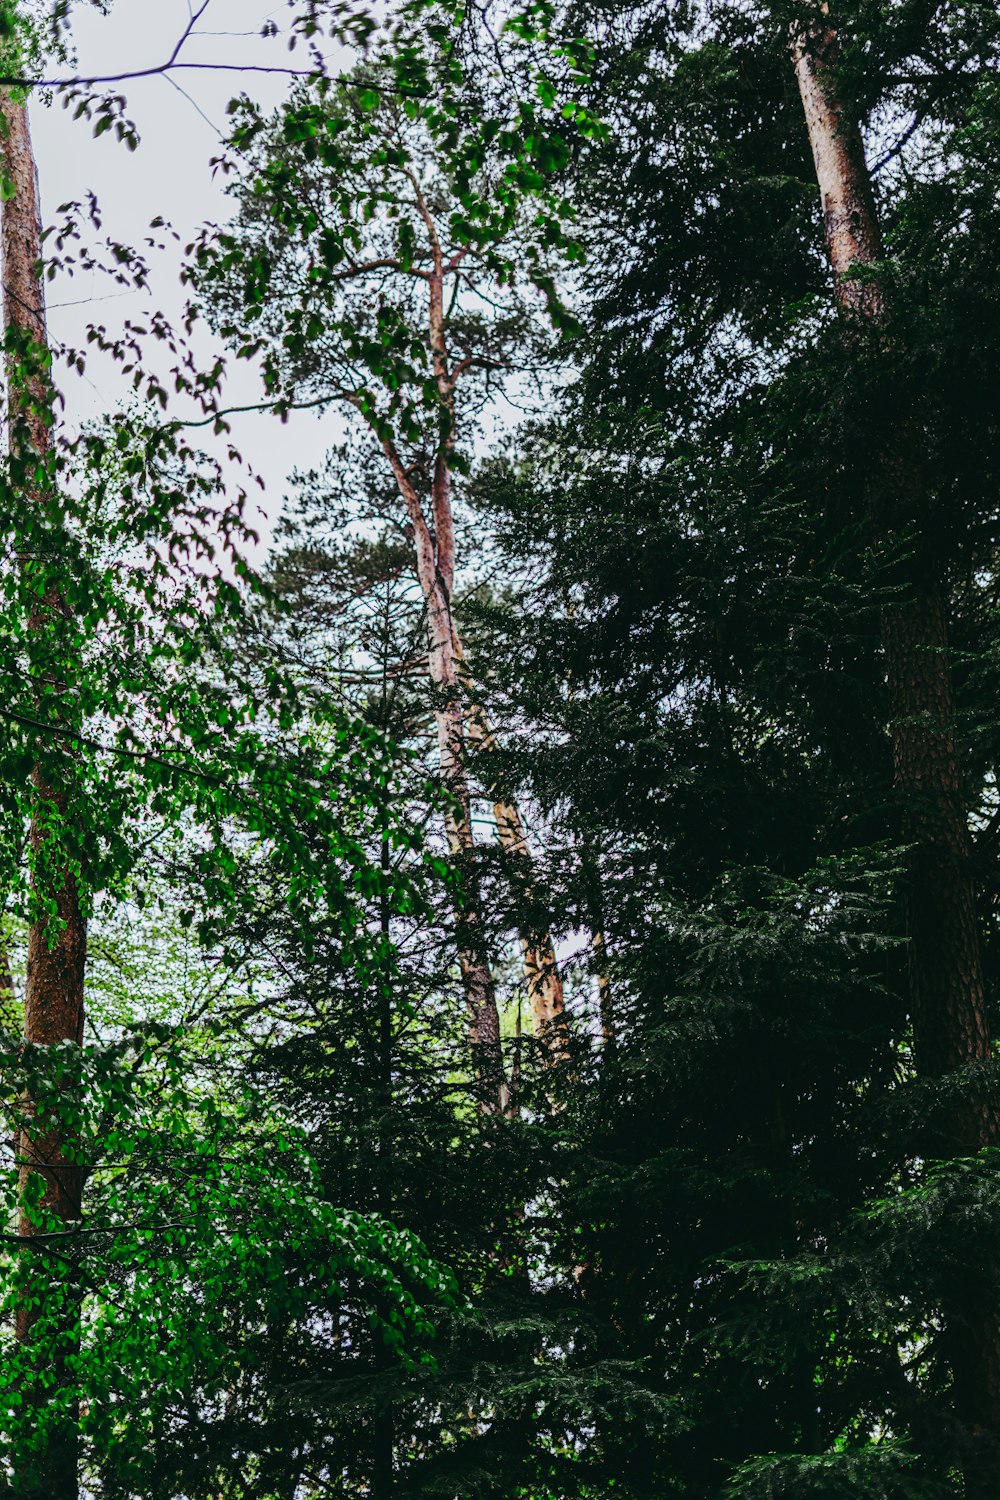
{"x": 706, "y": 670}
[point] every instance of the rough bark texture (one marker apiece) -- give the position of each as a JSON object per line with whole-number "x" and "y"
{"x": 852, "y": 231}
{"x": 947, "y": 992}
{"x": 946, "y": 986}
{"x": 53, "y": 1011}
{"x": 541, "y": 969}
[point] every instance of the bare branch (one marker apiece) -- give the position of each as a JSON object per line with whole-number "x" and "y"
{"x": 386, "y": 262}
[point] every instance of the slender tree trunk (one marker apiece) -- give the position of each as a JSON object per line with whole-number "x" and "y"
{"x": 435, "y": 547}
{"x": 599, "y": 948}
{"x": 946, "y": 984}
{"x": 473, "y": 952}
{"x": 57, "y": 943}
{"x": 541, "y": 969}
{"x": 435, "y": 571}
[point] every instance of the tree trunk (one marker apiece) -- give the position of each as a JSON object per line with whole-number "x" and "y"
{"x": 53, "y": 1012}
{"x": 435, "y": 573}
{"x": 435, "y": 547}
{"x": 541, "y": 969}
{"x": 853, "y": 236}
{"x": 945, "y": 971}
{"x": 947, "y": 992}
{"x": 473, "y": 953}
{"x": 599, "y": 948}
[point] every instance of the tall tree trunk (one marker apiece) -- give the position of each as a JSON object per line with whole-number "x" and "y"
{"x": 484, "y": 1018}
{"x": 435, "y": 548}
{"x": 435, "y": 571}
{"x": 53, "y": 1012}
{"x": 541, "y": 968}
{"x": 853, "y": 236}
{"x": 946, "y": 984}
{"x": 599, "y": 947}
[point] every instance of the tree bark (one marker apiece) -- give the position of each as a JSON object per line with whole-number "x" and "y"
{"x": 599, "y": 946}
{"x": 947, "y": 990}
{"x": 53, "y": 1012}
{"x": 435, "y": 548}
{"x": 599, "y": 949}
{"x": 853, "y": 235}
{"x": 541, "y": 968}
{"x": 435, "y": 571}
{"x": 945, "y": 971}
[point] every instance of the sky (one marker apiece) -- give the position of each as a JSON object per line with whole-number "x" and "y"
{"x": 179, "y": 119}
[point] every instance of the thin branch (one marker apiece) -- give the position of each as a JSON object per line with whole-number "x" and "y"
{"x": 160, "y": 69}
{"x": 425, "y": 214}
{"x": 174, "y": 63}
{"x": 387, "y": 262}
{"x": 471, "y": 360}
{"x": 901, "y": 142}
{"x": 278, "y": 407}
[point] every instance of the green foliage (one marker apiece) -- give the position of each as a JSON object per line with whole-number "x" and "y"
{"x": 205, "y": 1213}
{"x": 717, "y": 1250}
{"x": 690, "y": 624}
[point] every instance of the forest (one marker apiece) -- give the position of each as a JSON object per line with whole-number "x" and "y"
{"x": 499, "y": 750}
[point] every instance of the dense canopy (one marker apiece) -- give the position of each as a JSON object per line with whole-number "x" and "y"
{"x": 498, "y": 976}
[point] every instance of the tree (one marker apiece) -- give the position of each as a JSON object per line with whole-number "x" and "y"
{"x": 415, "y": 295}
{"x": 697, "y": 555}
{"x": 109, "y": 609}
{"x": 54, "y": 1003}
{"x": 717, "y": 626}
{"x": 946, "y": 980}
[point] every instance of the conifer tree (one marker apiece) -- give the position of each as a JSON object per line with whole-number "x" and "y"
{"x": 706, "y": 542}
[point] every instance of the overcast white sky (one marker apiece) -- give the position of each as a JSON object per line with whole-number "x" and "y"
{"x": 168, "y": 175}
